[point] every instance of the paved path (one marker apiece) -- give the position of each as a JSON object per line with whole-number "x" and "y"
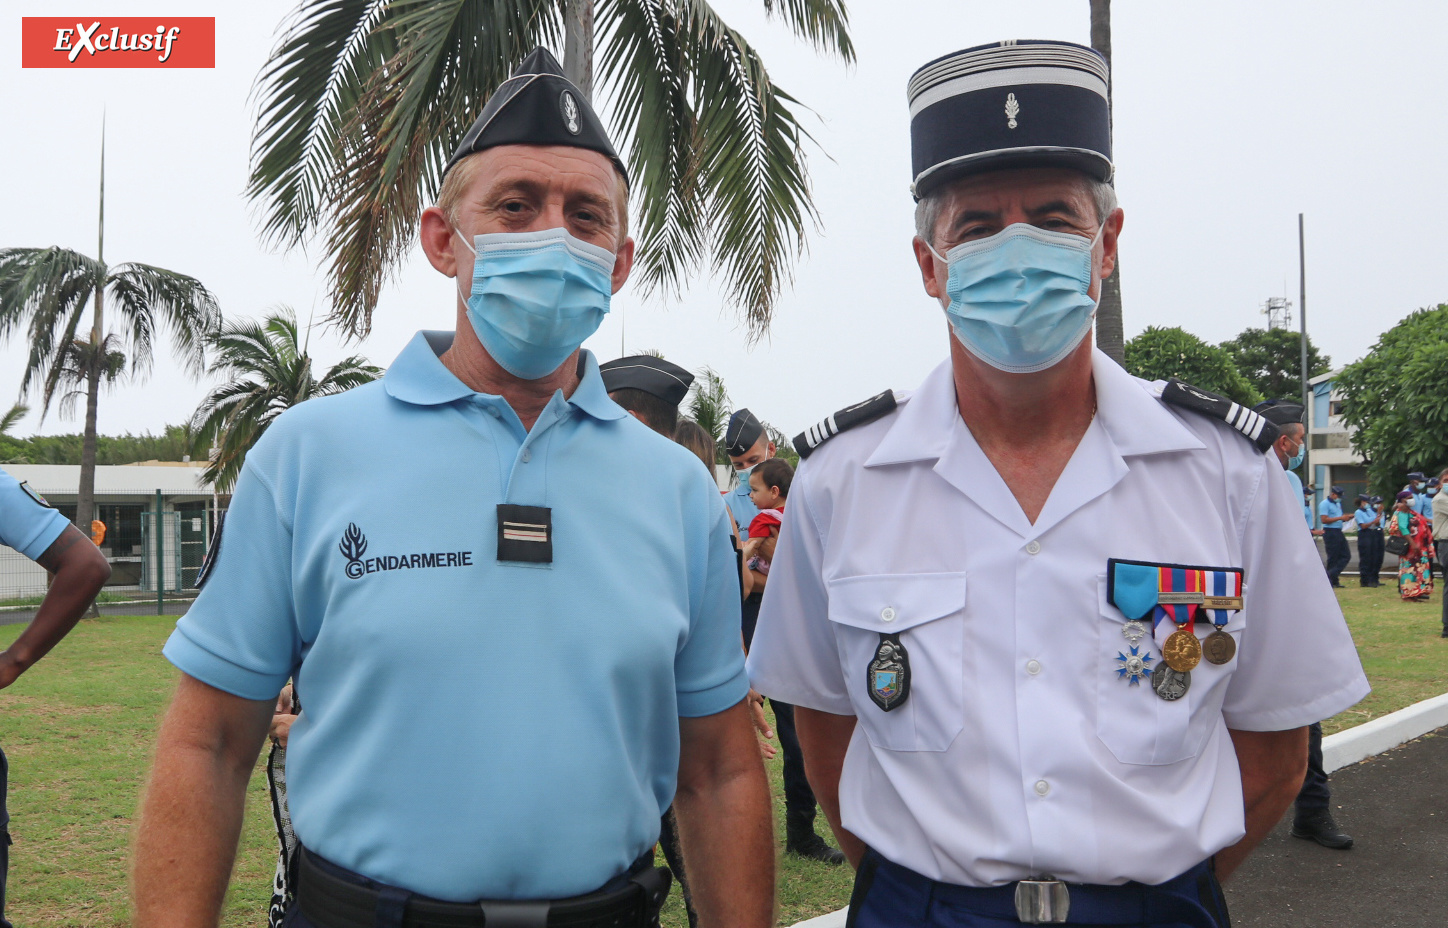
{"x": 1395, "y": 806}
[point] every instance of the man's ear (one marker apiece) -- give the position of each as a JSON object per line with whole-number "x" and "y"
{"x": 436, "y": 234}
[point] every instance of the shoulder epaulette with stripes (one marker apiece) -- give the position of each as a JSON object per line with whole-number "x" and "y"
{"x": 1252, "y": 426}
{"x": 849, "y": 417}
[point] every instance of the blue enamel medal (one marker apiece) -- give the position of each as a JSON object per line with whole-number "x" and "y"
{"x": 1135, "y": 666}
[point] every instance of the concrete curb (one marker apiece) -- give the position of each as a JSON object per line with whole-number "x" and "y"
{"x": 1385, "y": 733}
{"x": 1346, "y": 747}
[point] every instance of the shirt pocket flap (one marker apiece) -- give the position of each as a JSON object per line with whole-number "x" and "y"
{"x": 891, "y": 603}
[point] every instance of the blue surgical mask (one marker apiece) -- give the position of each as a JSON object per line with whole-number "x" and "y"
{"x": 1018, "y": 299}
{"x": 536, "y": 296}
{"x": 1295, "y": 461}
{"x": 743, "y": 475}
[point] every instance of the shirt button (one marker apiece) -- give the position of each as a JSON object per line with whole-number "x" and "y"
{"x": 1033, "y": 548}
{"x": 1042, "y": 787}
{"x": 887, "y": 614}
{"x": 527, "y": 455}
{"x": 1033, "y": 667}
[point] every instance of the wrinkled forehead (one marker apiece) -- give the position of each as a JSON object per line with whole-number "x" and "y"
{"x": 553, "y": 169}
{"x": 1027, "y": 189}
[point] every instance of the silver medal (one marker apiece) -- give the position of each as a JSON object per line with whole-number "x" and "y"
{"x": 1133, "y": 631}
{"x": 1169, "y": 684}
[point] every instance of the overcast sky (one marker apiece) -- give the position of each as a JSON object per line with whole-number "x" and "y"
{"x": 1231, "y": 118}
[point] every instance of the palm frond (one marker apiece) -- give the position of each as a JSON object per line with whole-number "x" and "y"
{"x": 14, "y": 415}
{"x": 79, "y": 360}
{"x": 709, "y": 403}
{"x": 824, "y": 23}
{"x": 451, "y": 55}
{"x": 329, "y": 51}
{"x": 270, "y": 373}
{"x": 147, "y": 295}
{"x": 46, "y": 290}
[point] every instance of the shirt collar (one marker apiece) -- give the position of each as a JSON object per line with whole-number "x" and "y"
{"x": 419, "y": 377}
{"x": 1135, "y": 419}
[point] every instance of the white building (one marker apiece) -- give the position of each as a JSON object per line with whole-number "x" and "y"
{"x": 1329, "y": 443}
{"x": 125, "y": 501}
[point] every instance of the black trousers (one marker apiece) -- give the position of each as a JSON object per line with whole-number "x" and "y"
{"x": 799, "y": 799}
{"x": 1443, "y": 563}
{"x": 1338, "y": 555}
{"x": 1370, "y": 555}
{"x": 1314, "y": 796}
{"x": 4, "y": 835}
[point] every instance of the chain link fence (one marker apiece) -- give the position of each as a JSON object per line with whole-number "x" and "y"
{"x": 152, "y": 572}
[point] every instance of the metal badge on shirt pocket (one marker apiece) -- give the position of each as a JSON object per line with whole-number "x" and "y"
{"x": 889, "y": 674}
{"x": 525, "y": 534}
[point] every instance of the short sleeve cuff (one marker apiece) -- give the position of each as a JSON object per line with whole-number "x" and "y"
{"x": 196, "y": 661}
{"x": 699, "y": 703}
{"x": 806, "y": 698}
{"x": 1285, "y": 719}
{"x": 45, "y": 537}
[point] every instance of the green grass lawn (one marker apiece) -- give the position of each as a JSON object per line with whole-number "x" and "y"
{"x": 79, "y": 732}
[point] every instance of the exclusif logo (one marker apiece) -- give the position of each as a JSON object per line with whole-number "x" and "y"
{"x": 119, "y": 42}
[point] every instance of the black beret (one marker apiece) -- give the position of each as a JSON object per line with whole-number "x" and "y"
{"x": 654, "y": 376}
{"x": 1011, "y": 104}
{"x": 743, "y": 431}
{"x": 538, "y": 105}
{"x": 1280, "y": 412}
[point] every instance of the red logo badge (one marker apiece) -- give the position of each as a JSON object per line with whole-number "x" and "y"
{"x": 117, "y": 42}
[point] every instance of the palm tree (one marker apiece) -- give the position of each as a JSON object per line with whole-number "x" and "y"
{"x": 709, "y": 406}
{"x": 45, "y": 291}
{"x": 16, "y": 413}
{"x": 362, "y": 102}
{"x": 272, "y": 372}
{"x": 1110, "y": 334}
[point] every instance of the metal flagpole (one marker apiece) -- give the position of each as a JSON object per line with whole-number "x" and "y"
{"x": 1302, "y": 323}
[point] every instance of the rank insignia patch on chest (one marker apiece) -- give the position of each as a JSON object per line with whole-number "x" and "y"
{"x": 525, "y": 534}
{"x": 888, "y": 678}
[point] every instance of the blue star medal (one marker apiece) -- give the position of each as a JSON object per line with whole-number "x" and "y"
{"x": 1135, "y": 666}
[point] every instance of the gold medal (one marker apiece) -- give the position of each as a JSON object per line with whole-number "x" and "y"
{"x": 1220, "y": 647}
{"x": 1182, "y": 651}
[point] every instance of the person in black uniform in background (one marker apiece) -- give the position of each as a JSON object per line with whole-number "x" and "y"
{"x": 1369, "y": 518}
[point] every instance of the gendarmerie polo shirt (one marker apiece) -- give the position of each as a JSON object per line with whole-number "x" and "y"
{"x": 1021, "y": 749}
{"x": 27, "y": 523}
{"x": 473, "y": 728}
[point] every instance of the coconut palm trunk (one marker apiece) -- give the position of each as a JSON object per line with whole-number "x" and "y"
{"x": 578, "y": 45}
{"x": 1110, "y": 334}
{"x": 85, "y": 496}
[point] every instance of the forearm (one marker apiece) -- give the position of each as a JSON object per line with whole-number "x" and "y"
{"x": 1273, "y": 765}
{"x": 824, "y": 739}
{"x": 726, "y": 830}
{"x": 191, "y": 819}
{"x": 71, "y": 593}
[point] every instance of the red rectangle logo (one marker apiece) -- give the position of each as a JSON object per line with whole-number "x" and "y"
{"x": 118, "y": 42}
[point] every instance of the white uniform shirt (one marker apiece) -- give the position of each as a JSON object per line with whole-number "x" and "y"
{"x": 1019, "y": 750}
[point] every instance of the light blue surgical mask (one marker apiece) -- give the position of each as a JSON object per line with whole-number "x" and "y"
{"x": 1295, "y": 461}
{"x": 743, "y": 475}
{"x": 1018, "y": 299}
{"x": 536, "y": 296}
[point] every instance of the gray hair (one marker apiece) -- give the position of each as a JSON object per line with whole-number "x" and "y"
{"x": 927, "y": 211}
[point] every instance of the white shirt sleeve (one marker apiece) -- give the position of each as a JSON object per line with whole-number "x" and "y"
{"x": 1297, "y": 663}
{"x": 794, "y": 657}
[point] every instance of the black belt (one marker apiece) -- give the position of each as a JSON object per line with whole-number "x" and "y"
{"x": 329, "y": 901}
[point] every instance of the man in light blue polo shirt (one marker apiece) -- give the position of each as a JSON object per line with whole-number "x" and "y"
{"x": 1329, "y": 513}
{"x": 33, "y": 527}
{"x": 505, "y": 669}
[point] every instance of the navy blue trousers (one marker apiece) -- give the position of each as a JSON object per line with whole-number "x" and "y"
{"x": 888, "y": 895}
{"x": 1338, "y": 554}
{"x": 4, "y": 835}
{"x": 1314, "y": 795}
{"x": 1370, "y": 555}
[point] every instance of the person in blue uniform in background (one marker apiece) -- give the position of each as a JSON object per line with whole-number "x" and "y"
{"x": 1369, "y": 519}
{"x": 508, "y": 672}
{"x": 31, "y": 526}
{"x": 1330, "y": 513}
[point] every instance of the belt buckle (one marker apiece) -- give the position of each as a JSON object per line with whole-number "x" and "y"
{"x": 1042, "y": 901}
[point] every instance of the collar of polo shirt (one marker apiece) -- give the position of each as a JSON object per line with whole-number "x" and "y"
{"x": 419, "y": 377}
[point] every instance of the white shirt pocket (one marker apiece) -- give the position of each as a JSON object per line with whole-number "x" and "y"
{"x": 1138, "y": 726}
{"x": 925, "y": 611}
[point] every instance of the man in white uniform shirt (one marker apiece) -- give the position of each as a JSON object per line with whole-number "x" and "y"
{"x": 1054, "y": 634}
